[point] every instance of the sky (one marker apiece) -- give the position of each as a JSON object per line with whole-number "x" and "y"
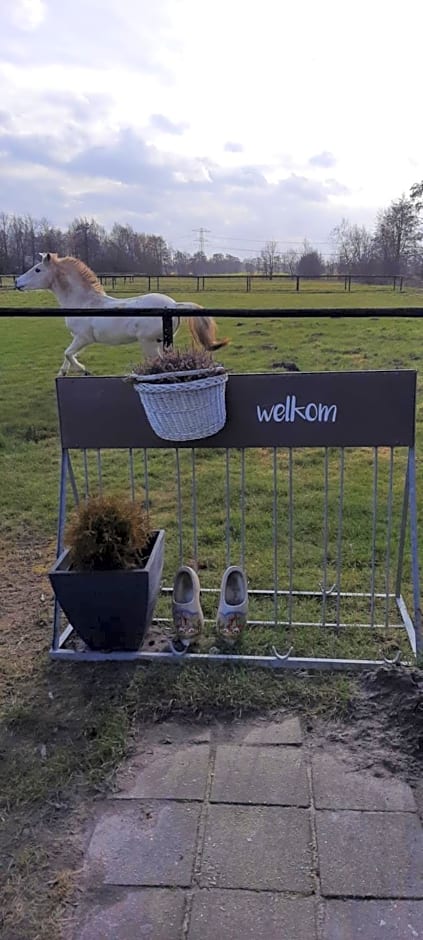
{"x": 255, "y": 121}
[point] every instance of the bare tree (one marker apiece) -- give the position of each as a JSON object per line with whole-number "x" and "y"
{"x": 354, "y": 246}
{"x": 270, "y": 259}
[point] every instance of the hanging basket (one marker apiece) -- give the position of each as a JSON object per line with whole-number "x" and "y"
{"x": 192, "y": 408}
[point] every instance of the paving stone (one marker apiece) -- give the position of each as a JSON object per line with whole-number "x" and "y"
{"x": 175, "y": 732}
{"x": 166, "y": 772}
{"x": 250, "y": 915}
{"x": 259, "y": 731}
{"x": 257, "y": 847}
{"x": 144, "y": 843}
{"x": 337, "y": 786}
{"x": 370, "y": 854}
{"x": 268, "y": 775}
{"x": 150, "y": 913}
{"x": 275, "y": 732}
{"x": 373, "y": 920}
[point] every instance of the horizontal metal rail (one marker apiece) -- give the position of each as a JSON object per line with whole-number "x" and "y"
{"x": 224, "y": 312}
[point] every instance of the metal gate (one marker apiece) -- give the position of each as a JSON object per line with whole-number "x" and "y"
{"x": 333, "y": 575}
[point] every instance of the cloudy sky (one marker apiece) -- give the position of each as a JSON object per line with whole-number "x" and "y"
{"x": 255, "y": 120}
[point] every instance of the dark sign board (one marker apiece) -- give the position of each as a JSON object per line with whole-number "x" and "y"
{"x": 330, "y": 409}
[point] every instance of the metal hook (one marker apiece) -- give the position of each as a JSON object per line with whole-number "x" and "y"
{"x": 178, "y": 653}
{"x": 281, "y": 656}
{"x": 329, "y": 590}
{"x": 394, "y": 661}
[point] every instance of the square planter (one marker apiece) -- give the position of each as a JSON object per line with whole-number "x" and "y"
{"x": 110, "y": 610}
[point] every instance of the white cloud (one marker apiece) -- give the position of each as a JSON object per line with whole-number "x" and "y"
{"x": 25, "y": 14}
{"x": 150, "y": 102}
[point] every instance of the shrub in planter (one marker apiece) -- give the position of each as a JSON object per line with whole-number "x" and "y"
{"x": 108, "y": 579}
{"x": 183, "y": 394}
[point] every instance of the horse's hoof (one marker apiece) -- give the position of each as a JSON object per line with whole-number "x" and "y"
{"x": 86, "y": 372}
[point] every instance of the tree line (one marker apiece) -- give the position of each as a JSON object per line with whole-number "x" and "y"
{"x": 394, "y": 246}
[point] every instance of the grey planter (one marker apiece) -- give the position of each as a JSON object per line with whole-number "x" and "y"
{"x": 110, "y": 610}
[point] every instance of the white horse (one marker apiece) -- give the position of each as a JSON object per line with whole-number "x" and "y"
{"x": 77, "y": 287}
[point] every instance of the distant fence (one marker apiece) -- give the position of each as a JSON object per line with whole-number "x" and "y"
{"x": 135, "y": 282}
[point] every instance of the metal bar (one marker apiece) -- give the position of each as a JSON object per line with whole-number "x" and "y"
{"x": 290, "y": 534}
{"x": 99, "y": 472}
{"x": 228, "y": 509}
{"x": 269, "y": 592}
{"x": 179, "y": 506}
{"x": 72, "y": 482}
{"x": 403, "y": 530}
{"x": 414, "y": 550}
{"x": 194, "y": 506}
{"x": 275, "y": 534}
{"x": 59, "y": 544}
{"x": 389, "y": 536}
{"x": 86, "y": 476}
{"x": 316, "y": 624}
{"x": 339, "y": 533}
{"x": 167, "y": 330}
{"x": 325, "y": 534}
{"x": 225, "y": 312}
{"x": 146, "y": 481}
{"x": 271, "y": 662}
{"x": 243, "y": 508}
{"x": 374, "y": 521}
{"x": 407, "y": 621}
{"x": 131, "y": 473}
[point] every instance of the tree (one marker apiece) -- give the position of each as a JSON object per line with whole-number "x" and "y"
{"x": 270, "y": 260}
{"x": 86, "y": 238}
{"x": 397, "y": 235}
{"x": 311, "y": 264}
{"x": 354, "y": 245}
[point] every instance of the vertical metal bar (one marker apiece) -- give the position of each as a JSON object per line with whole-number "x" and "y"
{"x": 325, "y": 535}
{"x": 179, "y": 506}
{"x": 339, "y": 538}
{"x": 131, "y": 473}
{"x": 228, "y": 509}
{"x": 374, "y": 521}
{"x": 275, "y": 534}
{"x": 73, "y": 482}
{"x": 86, "y": 477}
{"x": 146, "y": 481}
{"x": 402, "y": 531}
{"x": 62, "y": 501}
{"x": 414, "y": 550}
{"x": 243, "y": 508}
{"x": 194, "y": 506}
{"x": 290, "y": 534}
{"x": 99, "y": 472}
{"x": 388, "y": 538}
{"x": 59, "y": 545}
{"x": 167, "y": 330}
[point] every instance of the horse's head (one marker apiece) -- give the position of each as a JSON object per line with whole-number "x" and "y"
{"x": 40, "y": 277}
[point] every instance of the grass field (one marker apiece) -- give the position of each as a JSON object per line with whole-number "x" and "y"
{"x": 65, "y": 728}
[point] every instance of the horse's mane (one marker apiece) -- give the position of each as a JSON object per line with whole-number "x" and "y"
{"x": 88, "y": 277}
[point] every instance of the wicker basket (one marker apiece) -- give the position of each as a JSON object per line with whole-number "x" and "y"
{"x": 184, "y": 411}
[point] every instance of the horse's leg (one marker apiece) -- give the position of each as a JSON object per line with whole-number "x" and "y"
{"x": 70, "y": 360}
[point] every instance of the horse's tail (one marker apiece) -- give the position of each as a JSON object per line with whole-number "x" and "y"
{"x": 204, "y": 329}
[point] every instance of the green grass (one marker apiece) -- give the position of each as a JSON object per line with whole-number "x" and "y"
{"x": 65, "y": 728}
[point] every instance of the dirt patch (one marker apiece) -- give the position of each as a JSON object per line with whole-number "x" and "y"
{"x": 384, "y": 731}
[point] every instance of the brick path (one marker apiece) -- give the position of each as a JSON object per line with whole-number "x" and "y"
{"x": 242, "y": 832}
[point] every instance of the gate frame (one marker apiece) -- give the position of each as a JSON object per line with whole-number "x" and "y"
{"x": 276, "y": 660}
